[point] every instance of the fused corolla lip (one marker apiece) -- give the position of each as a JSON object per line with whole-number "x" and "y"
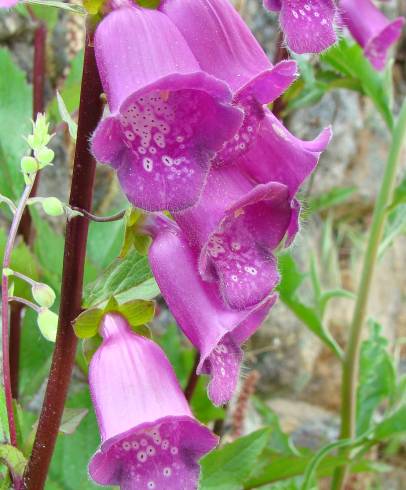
{"x": 371, "y": 29}
{"x": 168, "y": 116}
{"x": 213, "y": 328}
{"x": 150, "y": 438}
{"x": 308, "y": 25}
{"x": 236, "y": 228}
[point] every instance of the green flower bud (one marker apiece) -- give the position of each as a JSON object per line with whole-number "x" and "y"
{"x": 48, "y": 324}
{"x": 43, "y": 295}
{"x": 52, "y": 206}
{"x": 44, "y": 155}
{"x": 29, "y": 165}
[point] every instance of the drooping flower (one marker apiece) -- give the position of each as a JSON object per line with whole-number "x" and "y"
{"x": 371, "y": 29}
{"x": 168, "y": 116}
{"x": 308, "y": 25}
{"x": 225, "y": 48}
{"x": 150, "y": 438}
{"x": 236, "y": 226}
{"x": 214, "y": 329}
{"x": 5, "y": 4}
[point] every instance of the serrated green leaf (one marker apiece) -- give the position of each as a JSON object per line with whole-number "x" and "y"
{"x": 13, "y": 458}
{"x": 15, "y": 117}
{"x": 126, "y": 279}
{"x": 228, "y": 467}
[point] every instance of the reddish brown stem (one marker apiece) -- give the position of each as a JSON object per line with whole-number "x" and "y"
{"x": 90, "y": 111}
{"x": 193, "y": 379}
{"x": 25, "y": 226}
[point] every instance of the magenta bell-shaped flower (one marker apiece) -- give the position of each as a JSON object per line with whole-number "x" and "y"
{"x": 236, "y": 226}
{"x": 371, "y": 29}
{"x": 150, "y": 438}
{"x": 213, "y": 328}
{"x": 5, "y": 4}
{"x": 225, "y": 48}
{"x": 169, "y": 118}
{"x": 308, "y": 25}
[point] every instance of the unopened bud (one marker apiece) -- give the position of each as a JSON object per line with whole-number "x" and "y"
{"x": 29, "y": 165}
{"x": 43, "y": 295}
{"x": 52, "y": 206}
{"x": 48, "y": 324}
{"x": 44, "y": 155}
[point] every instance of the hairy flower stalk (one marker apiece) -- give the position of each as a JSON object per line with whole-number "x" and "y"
{"x": 214, "y": 329}
{"x": 371, "y": 29}
{"x": 308, "y": 25}
{"x": 168, "y": 117}
{"x": 150, "y": 438}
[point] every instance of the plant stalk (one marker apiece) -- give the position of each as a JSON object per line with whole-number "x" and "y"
{"x": 351, "y": 363}
{"x": 38, "y": 106}
{"x": 90, "y": 112}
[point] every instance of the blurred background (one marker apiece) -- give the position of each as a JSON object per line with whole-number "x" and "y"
{"x": 290, "y": 377}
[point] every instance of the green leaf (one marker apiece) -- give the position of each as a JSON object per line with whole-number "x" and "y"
{"x": 280, "y": 442}
{"x": 348, "y": 58}
{"x": 395, "y": 225}
{"x": 87, "y": 323}
{"x": 330, "y": 199}
{"x": 65, "y": 115}
{"x": 70, "y": 91}
{"x": 71, "y": 419}
{"x": 14, "y": 459}
{"x": 4, "y": 430}
{"x": 70, "y": 7}
{"x": 202, "y": 407}
{"x": 149, "y": 4}
{"x": 228, "y": 467}
{"x": 392, "y": 425}
{"x": 73, "y": 452}
{"x": 126, "y": 279}
{"x": 377, "y": 380}
{"x": 15, "y": 116}
{"x": 290, "y": 282}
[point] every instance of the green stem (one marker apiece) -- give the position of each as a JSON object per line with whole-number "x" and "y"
{"x": 351, "y": 363}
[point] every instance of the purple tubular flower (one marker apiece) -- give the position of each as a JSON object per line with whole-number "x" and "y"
{"x": 215, "y": 330}
{"x": 225, "y": 48}
{"x": 308, "y": 25}
{"x": 5, "y": 4}
{"x": 371, "y": 29}
{"x": 168, "y": 117}
{"x": 278, "y": 156}
{"x": 150, "y": 438}
{"x": 237, "y": 226}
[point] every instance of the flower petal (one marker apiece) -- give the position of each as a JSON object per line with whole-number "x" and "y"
{"x": 308, "y": 24}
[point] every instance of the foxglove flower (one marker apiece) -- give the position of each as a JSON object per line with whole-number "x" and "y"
{"x": 150, "y": 438}
{"x": 5, "y": 4}
{"x": 213, "y": 328}
{"x": 371, "y": 29}
{"x": 308, "y": 25}
{"x": 168, "y": 117}
{"x": 237, "y": 226}
{"x": 225, "y": 48}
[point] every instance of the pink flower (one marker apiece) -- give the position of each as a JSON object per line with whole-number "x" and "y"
{"x": 150, "y": 438}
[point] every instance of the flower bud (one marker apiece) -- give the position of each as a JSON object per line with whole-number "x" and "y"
{"x": 43, "y": 295}
{"x": 29, "y": 165}
{"x": 44, "y": 155}
{"x": 48, "y": 324}
{"x": 53, "y": 206}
